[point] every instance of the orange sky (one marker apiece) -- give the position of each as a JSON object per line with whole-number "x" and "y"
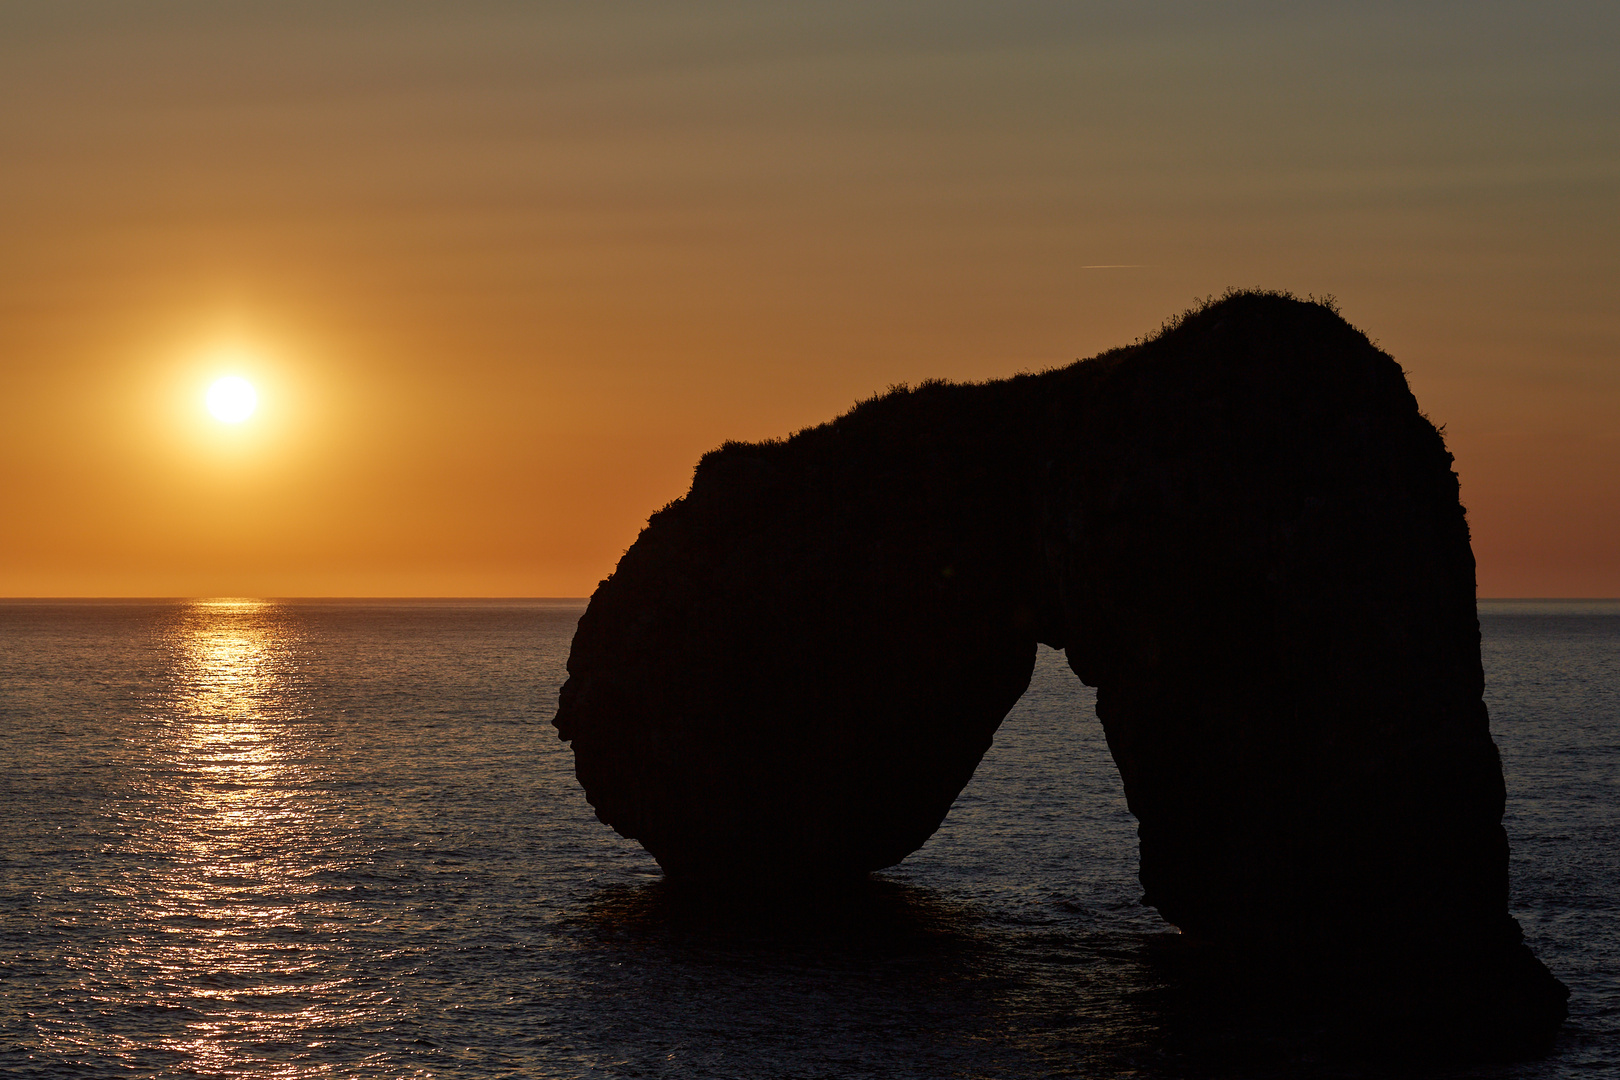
{"x": 502, "y": 272}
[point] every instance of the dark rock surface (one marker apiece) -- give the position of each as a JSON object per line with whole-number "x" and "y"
{"x": 1244, "y": 534}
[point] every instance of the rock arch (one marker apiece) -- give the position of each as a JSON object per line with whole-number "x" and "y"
{"x": 1243, "y": 533}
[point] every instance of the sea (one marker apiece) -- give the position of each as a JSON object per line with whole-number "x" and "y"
{"x": 257, "y": 838}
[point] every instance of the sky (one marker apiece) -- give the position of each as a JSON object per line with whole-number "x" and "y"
{"x": 502, "y": 272}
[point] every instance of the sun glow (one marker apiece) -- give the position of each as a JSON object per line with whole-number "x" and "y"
{"x": 232, "y": 399}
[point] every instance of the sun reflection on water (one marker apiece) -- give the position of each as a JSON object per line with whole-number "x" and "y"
{"x": 233, "y": 843}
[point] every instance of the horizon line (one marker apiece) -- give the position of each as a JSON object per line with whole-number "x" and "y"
{"x": 450, "y": 597}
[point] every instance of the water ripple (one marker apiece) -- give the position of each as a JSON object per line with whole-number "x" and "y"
{"x": 248, "y": 839}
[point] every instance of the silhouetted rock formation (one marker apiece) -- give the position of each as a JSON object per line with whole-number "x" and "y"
{"x": 1244, "y": 534}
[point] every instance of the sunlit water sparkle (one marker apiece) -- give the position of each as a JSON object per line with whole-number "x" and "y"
{"x": 341, "y": 839}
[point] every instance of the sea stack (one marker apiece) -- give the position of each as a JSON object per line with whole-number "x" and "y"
{"x": 1243, "y": 533}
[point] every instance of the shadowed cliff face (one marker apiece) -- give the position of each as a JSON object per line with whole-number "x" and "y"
{"x": 1244, "y": 534}
{"x": 796, "y": 668}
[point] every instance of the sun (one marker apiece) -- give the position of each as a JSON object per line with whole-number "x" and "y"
{"x": 232, "y": 399}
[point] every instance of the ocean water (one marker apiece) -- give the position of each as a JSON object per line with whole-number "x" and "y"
{"x": 245, "y": 838}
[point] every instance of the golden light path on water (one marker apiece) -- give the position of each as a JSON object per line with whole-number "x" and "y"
{"x": 235, "y": 837}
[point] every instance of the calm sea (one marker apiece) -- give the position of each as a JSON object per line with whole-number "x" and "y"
{"x": 247, "y": 838}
